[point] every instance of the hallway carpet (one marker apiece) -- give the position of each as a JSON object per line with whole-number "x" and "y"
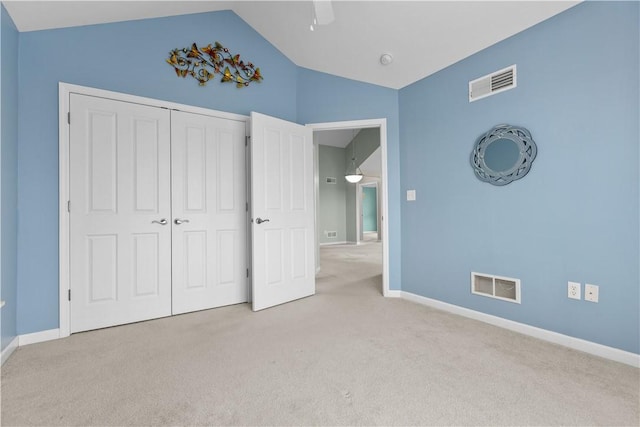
{"x": 346, "y": 356}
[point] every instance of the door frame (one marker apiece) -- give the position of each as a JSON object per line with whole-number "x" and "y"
{"x": 64, "y": 92}
{"x": 383, "y": 194}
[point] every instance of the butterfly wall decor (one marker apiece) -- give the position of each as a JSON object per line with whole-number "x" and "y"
{"x": 204, "y": 63}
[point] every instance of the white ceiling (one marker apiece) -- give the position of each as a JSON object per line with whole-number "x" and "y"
{"x": 422, "y": 36}
{"x": 372, "y": 166}
{"x": 336, "y": 137}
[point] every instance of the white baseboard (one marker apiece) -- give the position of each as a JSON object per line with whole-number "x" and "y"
{"x": 392, "y": 293}
{"x": 333, "y": 243}
{"x": 36, "y": 337}
{"x": 9, "y": 349}
{"x": 600, "y": 350}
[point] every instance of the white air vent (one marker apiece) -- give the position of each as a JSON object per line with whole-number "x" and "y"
{"x": 332, "y": 234}
{"x": 493, "y": 83}
{"x": 331, "y": 180}
{"x": 488, "y": 285}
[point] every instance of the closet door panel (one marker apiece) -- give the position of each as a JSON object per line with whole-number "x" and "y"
{"x": 209, "y": 212}
{"x": 120, "y": 268}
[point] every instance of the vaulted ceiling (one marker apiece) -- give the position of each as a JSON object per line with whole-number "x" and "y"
{"x": 423, "y": 37}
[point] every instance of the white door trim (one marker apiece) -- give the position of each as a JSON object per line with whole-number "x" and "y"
{"x": 64, "y": 91}
{"x": 382, "y": 125}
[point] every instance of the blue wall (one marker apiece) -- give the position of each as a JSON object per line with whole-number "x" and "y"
{"x": 9, "y": 177}
{"x": 326, "y": 98}
{"x": 574, "y": 217}
{"x": 124, "y": 57}
{"x": 129, "y": 57}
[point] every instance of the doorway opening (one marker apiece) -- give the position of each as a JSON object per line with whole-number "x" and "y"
{"x": 341, "y": 224}
{"x": 368, "y": 212}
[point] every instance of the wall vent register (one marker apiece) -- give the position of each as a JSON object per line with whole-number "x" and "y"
{"x": 332, "y": 234}
{"x": 503, "y": 288}
{"x": 331, "y": 180}
{"x": 493, "y": 83}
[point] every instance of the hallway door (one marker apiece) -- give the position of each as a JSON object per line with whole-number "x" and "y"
{"x": 282, "y": 206}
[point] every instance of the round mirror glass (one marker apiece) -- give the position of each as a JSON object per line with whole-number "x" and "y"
{"x": 502, "y": 155}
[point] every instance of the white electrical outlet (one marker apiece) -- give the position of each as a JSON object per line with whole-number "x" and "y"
{"x": 411, "y": 195}
{"x": 573, "y": 290}
{"x": 591, "y": 292}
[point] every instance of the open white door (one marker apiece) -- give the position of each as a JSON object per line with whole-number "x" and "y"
{"x": 282, "y": 211}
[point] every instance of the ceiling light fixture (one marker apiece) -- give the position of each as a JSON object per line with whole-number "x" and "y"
{"x": 355, "y": 175}
{"x": 386, "y": 59}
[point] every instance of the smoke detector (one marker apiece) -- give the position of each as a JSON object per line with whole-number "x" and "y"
{"x": 386, "y": 59}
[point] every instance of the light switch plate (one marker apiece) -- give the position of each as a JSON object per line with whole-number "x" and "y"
{"x": 411, "y": 195}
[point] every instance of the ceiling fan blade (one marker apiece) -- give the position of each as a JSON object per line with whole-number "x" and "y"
{"x": 323, "y": 10}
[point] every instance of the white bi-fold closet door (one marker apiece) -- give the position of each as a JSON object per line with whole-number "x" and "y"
{"x": 158, "y": 221}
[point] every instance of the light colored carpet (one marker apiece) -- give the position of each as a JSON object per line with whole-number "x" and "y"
{"x": 346, "y": 356}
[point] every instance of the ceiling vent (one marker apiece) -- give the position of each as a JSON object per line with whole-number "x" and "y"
{"x": 493, "y": 83}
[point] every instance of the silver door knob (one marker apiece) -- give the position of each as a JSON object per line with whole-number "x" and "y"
{"x": 179, "y": 221}
{"x": 260, "y": 220}
{"x": 163, "y": 221}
